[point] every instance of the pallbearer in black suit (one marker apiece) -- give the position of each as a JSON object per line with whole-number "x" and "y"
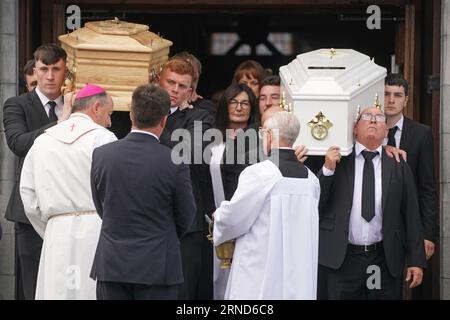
{"x": 369, "y": 219}
{"x": 26, "y": 117}
{"x": 176, "y": 78}
{"x": 417, "y": 140}
{"x": 146, "y": 204}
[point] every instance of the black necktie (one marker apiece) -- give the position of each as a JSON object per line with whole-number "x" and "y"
{"x": 391, "y": 136}
{"x": 368, "y": 187}
{"x": 51, "y": 114}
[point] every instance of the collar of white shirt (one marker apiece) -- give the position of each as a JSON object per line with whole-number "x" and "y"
{"x": 360, "y": 148}
{"x": 145, "y": 132}
{"x": 45, "y": 100}
{"x": 173, "y": 109}
{"x": 399, "y": 123}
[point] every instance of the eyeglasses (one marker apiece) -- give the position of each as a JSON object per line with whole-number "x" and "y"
{"x": 369, "y": 117}
{"x": 261, "y": 132}
{"x": 244, "y": 104}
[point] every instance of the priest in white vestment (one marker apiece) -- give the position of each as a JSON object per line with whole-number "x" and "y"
{"x": 56, "y": 194}
{"x": 273, "y": 215}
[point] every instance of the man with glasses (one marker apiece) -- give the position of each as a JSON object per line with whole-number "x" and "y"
{"x": 369, "y": 219}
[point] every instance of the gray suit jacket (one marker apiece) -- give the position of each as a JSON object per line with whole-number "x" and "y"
{"x": 24, "y": 119}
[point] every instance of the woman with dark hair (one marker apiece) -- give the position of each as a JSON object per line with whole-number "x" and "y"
{"x": 236, "y": 109}
{"x": 237, "y": 119}
{"x": 251, "y": 73}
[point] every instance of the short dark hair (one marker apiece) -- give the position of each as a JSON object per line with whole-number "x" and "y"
{"x": 84, "y": 103}
{"x": 395, "y": 79}
{"x": 50, "y": 54}
{"x": 28, "y": 69}
{"x": 149, "y": 105}
{"x": 271, "y": 81}
{"x": 223, "y": 117}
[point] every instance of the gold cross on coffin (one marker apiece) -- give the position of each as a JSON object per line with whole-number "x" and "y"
{"x": 319, "y": 126}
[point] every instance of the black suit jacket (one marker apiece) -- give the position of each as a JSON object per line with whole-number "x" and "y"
{"x": 186, "y": 119}
{"x": 206, "y": 105}
{"x": 401, "y": 226}
{"x": 237, "y": 157}
{"x": 147, "y": 205}
{"x": 24, "y": 119}
{"x": 417, "y": 140}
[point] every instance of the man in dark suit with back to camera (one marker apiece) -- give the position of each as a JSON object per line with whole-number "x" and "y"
{"x": 146, "y": 204}
{"x": 369, "y": 219}
{"x": 26, "y": 117}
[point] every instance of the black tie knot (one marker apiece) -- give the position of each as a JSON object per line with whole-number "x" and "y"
{"x": 52, "y": 104}
{"x": 369, "y": 155}
{"x": 391, "y": 136}
{"x": 52, "y": 114}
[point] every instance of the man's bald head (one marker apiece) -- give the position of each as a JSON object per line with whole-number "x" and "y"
{"x": 270, "y": 112}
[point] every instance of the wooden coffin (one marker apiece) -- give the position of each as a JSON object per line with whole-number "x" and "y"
{"x": 117, "y": 55}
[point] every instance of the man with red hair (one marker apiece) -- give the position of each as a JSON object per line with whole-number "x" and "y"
{"x": 176, "y": 78}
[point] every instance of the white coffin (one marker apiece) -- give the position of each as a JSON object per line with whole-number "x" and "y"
{"x": 336, "y": 83}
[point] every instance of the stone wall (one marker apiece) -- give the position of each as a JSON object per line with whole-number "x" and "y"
{"x": 8, "y": 88}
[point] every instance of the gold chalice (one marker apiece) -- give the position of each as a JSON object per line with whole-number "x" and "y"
{"x": 224, "y": 251}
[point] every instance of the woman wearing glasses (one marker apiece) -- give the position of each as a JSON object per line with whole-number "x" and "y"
{"x": 237, "y": 119}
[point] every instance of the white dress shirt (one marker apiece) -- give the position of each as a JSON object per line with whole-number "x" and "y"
{"x": 44, "y": 100}
{"x": 360, "y": 231}
{"x": 172, "y": 110}
{"x": 398, "y": 133}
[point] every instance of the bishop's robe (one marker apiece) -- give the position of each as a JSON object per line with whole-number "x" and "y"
{"x": 56, "y": 194}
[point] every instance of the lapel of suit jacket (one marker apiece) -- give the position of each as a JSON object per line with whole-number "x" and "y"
{"x": 406, "y": 134}
{"x": 386, "y": 170}
{"x": 350, "y": 168}
{"x": 173, "y": 120}
{"x": 37, "y": 104}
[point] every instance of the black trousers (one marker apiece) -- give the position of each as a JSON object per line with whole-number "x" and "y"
{"x": 362, "y": 276}
{"x": 205, "y": 285}
{"x": 29, "y": 246}
{"x": 129, "y": 291}
{"x": 196, "y": 255}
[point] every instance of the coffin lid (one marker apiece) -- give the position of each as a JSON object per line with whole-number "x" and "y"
{"x": 330, "y": 72}
{"x": 115, "y": 35}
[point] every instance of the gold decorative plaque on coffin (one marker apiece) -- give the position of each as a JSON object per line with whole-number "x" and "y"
{"x": 117, "y": 55}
